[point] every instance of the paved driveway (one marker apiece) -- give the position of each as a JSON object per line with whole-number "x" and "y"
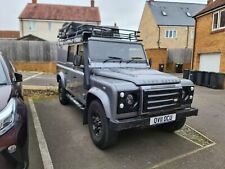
{"x": 70, "y": 145}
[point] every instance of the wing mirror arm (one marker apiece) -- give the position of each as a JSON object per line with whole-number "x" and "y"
{"x": 19, "y": 77}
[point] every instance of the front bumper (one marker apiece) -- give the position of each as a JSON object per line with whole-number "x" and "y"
{"x": 17, "y": 135}
{"x": 141, "y": 121}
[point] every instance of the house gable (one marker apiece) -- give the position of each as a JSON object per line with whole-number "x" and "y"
{"x": 149, "y": 29}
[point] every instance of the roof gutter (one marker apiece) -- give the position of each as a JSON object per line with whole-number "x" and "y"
{"x": 159, "y": 34}
{"x": 188, "y": 33}
{"x": 193, "y": 54}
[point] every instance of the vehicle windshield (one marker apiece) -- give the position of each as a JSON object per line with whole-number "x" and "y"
{"x": 3, "y": 79}
{"x": 116, "y": 52}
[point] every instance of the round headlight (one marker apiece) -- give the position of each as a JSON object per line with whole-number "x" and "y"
{"x": 121, "y": 105}
{"x": 130, "y": 99}
{"x": 192, "y": 89}
{"x": 122, "y": 94}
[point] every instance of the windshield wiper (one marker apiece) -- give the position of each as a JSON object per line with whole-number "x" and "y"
{"x": 3, "y": 84}
{"x": 112, "y": 58}
{"x": 134, "y": 59}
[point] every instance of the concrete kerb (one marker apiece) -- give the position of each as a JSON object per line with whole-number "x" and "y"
{"x": 32, "y": 87}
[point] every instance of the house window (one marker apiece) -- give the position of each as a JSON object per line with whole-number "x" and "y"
{"x": 32, "y": 26}
{"x": 170, "y": 33}
{"x": 215, "y": 20}
{"x": 222, "y": 19}
{"x": 192, "y": 34}
{"x": 49, "y": 26}
{"x": 219, "y": 20}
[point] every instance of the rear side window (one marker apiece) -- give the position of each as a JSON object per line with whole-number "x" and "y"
{"x": 71, "y": 52}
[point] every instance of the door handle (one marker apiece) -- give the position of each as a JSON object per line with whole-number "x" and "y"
{"x": 74, "y": 77}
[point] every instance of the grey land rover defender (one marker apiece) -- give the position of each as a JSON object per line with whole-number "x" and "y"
{"x": 107, "y": 75}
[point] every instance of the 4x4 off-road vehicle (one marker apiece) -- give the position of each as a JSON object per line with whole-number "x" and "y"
{"x": 108, "y": 76}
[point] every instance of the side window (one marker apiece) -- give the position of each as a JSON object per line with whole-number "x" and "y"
{"x": 80, "y": 52}
{"x": 32, "y": 26}
{"x": 71, "y": 53}
{"x": 11, "y": 69}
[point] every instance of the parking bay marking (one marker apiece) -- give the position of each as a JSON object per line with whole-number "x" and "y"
{"x": 33, "y": 76}
{"x": 45, "y": 155}
{"x": 208, "y": 143}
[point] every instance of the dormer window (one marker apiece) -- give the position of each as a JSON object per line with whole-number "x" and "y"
{"x": 188, "y": 14}
{"x": 164, "y": 13}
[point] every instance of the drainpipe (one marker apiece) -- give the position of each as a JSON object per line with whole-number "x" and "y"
{"x": 188, "y": 33}
{"x": 159, "y": 34}
{"x": 193, "y": 58}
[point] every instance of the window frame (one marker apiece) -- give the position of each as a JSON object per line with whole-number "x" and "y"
{"x": 169, "y": 31}
{"x": 218, "y": 21}
{"x": 223, "y": 10}
{"x": 32, "y": 26}
{"x": 192, "y": 34}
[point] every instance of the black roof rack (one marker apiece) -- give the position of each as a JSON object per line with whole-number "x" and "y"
{"x": 76, "y": 32}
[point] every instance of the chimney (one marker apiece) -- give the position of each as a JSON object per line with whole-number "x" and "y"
{"x": 210, "y": 1}
{"x": 34, "y": 1}
{"x": 92, "y": 3}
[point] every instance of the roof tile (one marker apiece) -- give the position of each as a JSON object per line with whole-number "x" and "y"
{"x": 60, "y": 12}
{"x": 9, "y": 34}
{"x": 177, "y": 13}
{"x": 212, "y": 6}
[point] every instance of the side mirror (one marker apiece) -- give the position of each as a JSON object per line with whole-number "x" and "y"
{"x": 19, "y": 77}
{"x": 77, "y": 60}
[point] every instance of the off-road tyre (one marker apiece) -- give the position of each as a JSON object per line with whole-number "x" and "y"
{"x": 63, "y": 99}
{"x": 105, "y": 137}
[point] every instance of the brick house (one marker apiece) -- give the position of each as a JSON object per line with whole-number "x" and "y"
{"x": 209, "y": 48}
{"x": 167, "y": 31}
{"x": 8, "y": 35}
{"x": 168, "y": 24}
{"x": 44, "y": 20}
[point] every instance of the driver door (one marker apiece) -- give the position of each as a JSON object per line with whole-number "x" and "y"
{"x": 78, "y": 76}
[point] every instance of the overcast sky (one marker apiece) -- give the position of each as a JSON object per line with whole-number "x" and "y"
{"x": 126, "y": 13}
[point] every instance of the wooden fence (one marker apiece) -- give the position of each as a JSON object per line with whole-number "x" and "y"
{"x": 31, "y": 51}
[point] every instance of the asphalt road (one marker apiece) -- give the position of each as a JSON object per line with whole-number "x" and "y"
{"x": 70, "y": 145}
{"x": 211, "y": 104}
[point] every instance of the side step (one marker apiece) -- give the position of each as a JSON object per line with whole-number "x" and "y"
{"x": 72, "y": 99}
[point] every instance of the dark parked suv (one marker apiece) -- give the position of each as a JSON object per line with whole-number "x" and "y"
{"x": 13, "y": 116}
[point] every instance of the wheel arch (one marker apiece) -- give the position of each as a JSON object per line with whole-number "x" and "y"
{"x": 102, "y": 97}
{"x": 61, "y": 78}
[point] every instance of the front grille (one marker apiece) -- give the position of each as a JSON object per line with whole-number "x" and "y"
{"x": 161, "y": 99}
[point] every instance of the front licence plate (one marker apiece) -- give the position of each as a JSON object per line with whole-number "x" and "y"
{"x": 162, "y": 119}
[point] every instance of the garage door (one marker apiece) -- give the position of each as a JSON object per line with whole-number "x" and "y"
{"x": 210, "y": 62}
